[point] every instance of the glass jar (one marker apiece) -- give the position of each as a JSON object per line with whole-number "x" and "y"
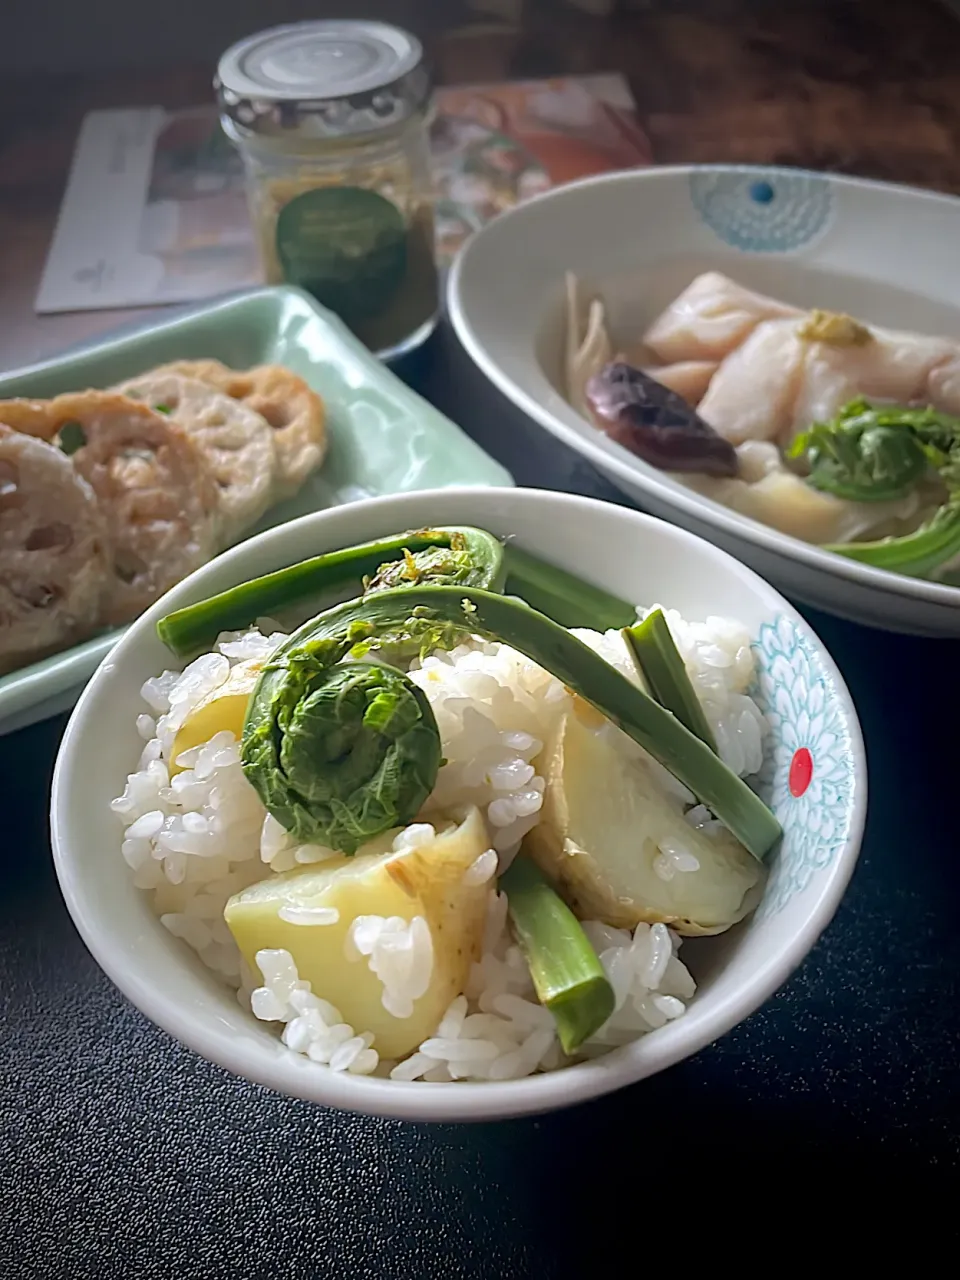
{"x": 332, "y": 121}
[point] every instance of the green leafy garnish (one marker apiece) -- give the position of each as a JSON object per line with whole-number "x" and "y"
{"x": 339, "y": 751}
{"x": 71, "y": 437}
{"x": 472, "y": 557}
{"x": 867, "y": 454}
{"x": 876, "y": 453}
{"x": 162, "y": 408}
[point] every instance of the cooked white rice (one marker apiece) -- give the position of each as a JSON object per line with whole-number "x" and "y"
{"x": 196, "y": 839}
{"x": 495, "y": 1030}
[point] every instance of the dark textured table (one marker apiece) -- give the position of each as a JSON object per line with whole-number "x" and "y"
{"x": 123, "y": 1155}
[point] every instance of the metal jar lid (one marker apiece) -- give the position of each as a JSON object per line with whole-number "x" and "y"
{"x": 322, "y": 79}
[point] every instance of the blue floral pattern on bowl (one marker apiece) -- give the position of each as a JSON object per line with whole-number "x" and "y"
{"x": 762, "y": 210}
{"x": 807, "y": 776}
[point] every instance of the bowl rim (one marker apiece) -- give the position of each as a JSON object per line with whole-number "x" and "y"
{"x": 289, "y": 1073}
{"x": 634, "y": 471}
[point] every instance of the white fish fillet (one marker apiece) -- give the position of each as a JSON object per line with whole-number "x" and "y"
{"x": 588, "y": 347}
{"x": 688, "y": 378}
{"x": 776, "y": 383}
{"x": 903, "y": 368}
{"x": 710, "y": 319}
{"x": 739, "y": 357}
{"x": 754, "y": 393}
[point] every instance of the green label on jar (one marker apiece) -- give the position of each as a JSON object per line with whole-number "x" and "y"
{"x": 345, "y": 245}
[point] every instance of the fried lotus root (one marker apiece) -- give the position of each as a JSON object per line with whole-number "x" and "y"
{"x": 54, "y": 551}
{"x": 290, "y": 406}
{"x": 153, "y": 483}
{"x": 237, "y": 442}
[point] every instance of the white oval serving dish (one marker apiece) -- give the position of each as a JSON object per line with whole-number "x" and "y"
{"x": 884, "y": 253}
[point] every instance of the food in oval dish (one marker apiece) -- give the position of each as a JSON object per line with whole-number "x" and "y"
{"x": 840, "y": 433}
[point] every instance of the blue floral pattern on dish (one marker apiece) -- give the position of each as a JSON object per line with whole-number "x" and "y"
{"x": 796, "y": 693}
{"x": 762, "y": 210}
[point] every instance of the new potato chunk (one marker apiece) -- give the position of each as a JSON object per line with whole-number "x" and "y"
{"x": 426, "y": 881}
{"x": 604, "y": 817}
{"x": 224, "y": 708}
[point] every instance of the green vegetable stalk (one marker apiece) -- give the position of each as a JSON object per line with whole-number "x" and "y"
{"x": 665, "y": 675}
{"x": 566, "y": 972}
{"x": 918, "y": 554}
{"x": 466, "y": 556}
{"x": 447, "y": 557}
{"x": 562, "y": 596}
{"x": 394, "y": 625}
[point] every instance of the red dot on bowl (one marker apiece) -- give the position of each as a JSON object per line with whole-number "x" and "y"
{"x": 801, "y": 771}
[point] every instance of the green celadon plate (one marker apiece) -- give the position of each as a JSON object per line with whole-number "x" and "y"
{"x": 384, "y": 438}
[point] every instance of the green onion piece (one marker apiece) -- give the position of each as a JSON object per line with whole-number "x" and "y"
{"x": 665, "y": 675}
{"x": 192, "y": 629}
{"x": 568, "y": 977}
{"x": 562, "y": 596}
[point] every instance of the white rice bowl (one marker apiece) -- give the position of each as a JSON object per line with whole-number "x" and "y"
{"x": 157, "y": 859}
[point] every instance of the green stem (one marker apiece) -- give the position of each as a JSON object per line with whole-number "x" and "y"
{"x": 190, "y": 630}
{"x": 477, "y": 559}
{"x": 561, "y": 596}
{"x": 566, "y": 972}
{"x": 663, "y": 669}
{"x": 916, "y": 554}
